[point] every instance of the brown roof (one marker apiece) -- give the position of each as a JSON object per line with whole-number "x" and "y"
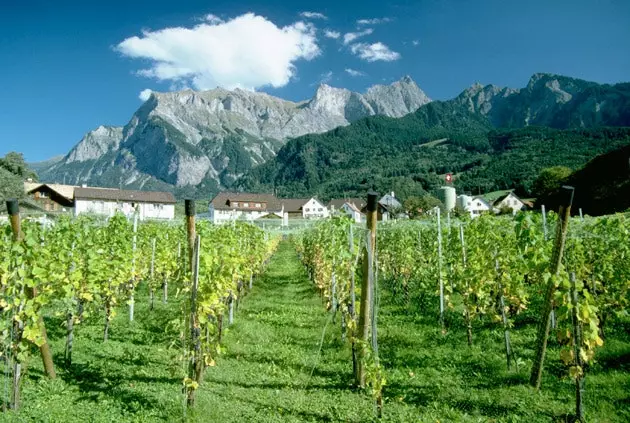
{"x": 293, "y": 205}
{"x": 338, "y": 202}
{"x": 223, "y": 199}
{"x": 504, "y": 196}
{"x": 66, "y": 191}
{"x": 123, "y": 195}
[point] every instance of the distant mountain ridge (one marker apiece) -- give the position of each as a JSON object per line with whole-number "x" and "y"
{"x": 550, "y": 100}
{"x": 196, "y": 143}
{"x": 188, "y": 140}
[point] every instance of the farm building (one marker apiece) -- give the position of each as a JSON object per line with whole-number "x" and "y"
{"x": 228, "y": 206}
{"x": 51, "y": 197}
{"x": 388, "y": 208}
{"x": 101, "y": 201}
{"x": 473, "y": 205}
{"x": 107, "y": 201}
{"x": 511, "y": 201}
{"x": 304, "y": 208}
{"x": 350, "y": 206}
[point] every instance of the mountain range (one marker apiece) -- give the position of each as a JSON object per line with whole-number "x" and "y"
{"x": 196, "y": 143}
{"x": 203, "y": 141}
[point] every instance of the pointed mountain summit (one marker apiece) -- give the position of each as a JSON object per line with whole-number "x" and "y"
{"x": 210, "y": 138}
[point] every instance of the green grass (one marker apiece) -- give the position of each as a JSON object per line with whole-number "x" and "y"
{"x": 273, "y": 370}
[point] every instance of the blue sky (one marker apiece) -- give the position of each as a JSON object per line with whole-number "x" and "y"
{"x": 69, "y": 66}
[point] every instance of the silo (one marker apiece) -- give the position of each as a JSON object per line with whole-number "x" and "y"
{"x": 448, "y": 196}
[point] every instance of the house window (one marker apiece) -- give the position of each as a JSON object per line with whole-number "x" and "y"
{"x": 320, "y": 209}
{"x": 307, "y": 210}
{"x": 43, "y": 195}
{"x": 257, "y": 205}
{"x": 245, "y": 204}
{"x": 235, "y": 204}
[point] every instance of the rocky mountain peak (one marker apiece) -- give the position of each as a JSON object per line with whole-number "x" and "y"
{"x": 95, "y": 144}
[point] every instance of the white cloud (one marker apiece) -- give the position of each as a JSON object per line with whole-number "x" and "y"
{"x": 213, "y": 19}
{"x": 351, "y": 36}
{"x": 374, "y": 52}
{"x": 313, "y": 15}
{"x": 353, "y": 72}
{"x": 145, "y": 94}
{"x": 329, "y": 33}
{"x": 374, "y": 21}
{"x": 326, "y": 77}
{"x": 415, "y": 42}
{"x": 248, "y": 51}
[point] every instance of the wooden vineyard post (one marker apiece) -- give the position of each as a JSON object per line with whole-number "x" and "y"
{"x": 440, "y": 281}
{"x": 353, "y": 300}
{"x": 556, "y": 259}
{"x": 195, "y": 367}
{"x": 132, "y": 283}
{"x": 189, "y": 206}
{"x": 366, "y": 290}
{"x": 506, "y": 326}
{"x": 544, "y": 221}
{"x": 466, "y": 304}
{"x": 44, "y": 348}
{"x": 14, "y": 212}
{"x": 577, "y": 342}
{"x": 16, "y": 226}
{"x": 152, "y": 272}
{"x": 546, "y": 237}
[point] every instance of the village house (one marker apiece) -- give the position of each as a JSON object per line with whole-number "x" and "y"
{"x": 303, "y": 208}
{"x": 229, "y": 206}
{"x": 51, "y": 197}
{"x": 108, "y": 201}
{"x": 349, "y": 206}
{"x": 101, "y": 201}
{"x": 389, "y": 208}
{"x": 509, "y": 201}
{"x": 474, "y": 206}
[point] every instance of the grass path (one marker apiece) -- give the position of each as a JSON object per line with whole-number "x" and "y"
{"x": 271, "y": 351}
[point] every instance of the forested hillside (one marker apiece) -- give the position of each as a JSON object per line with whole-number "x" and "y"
{"x": 602, "y": 186}
{"x": 410, "y": 154}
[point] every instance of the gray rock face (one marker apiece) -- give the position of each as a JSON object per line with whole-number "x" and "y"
{"x": 187, "y": 138}
{"x": 95, "y": 144}
{"x": 551, "y": 100}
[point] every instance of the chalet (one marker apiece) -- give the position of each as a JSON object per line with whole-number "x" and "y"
{"x": 108, "y": 201}
{"x": 350, "y": 206}
{"x": 228, "y": 206}
{"x": 474, "y": 206}
{"x": 303, "y": 208}
{"x": 509, "y": 201}
{"x": 389, "y": 208}
{"x": 51, "y": 197}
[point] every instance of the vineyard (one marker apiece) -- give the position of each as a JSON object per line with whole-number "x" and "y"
{"x": 436, "y": 319}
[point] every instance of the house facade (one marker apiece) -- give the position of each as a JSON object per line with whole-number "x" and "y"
{"x": 314, "y": 209}
{"x": 51, "y": 197}
{"x": 389, "y": 208}
{"x": 474, "y": 206}
{"x": 509, "y": 201}
{"x": 349, "y": 206}
{"x": 229, "y": 206}
{"x": 107, "y": 202}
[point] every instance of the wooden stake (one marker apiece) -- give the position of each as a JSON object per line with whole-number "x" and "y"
{"x": 195, "y": 367}
{"x": 577, "y": 342}
{"x": 366, "y": 290}
{"x": 440, "y": 281}
{"x": 545, "y": 322}
{"x": 189, "y": 206}
{"x": 13, "y": 209}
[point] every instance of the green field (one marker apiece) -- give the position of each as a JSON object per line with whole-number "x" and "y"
{"x": 273, "y": 370}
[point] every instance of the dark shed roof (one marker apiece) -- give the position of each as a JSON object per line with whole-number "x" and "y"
{"x": 106, "y": 194}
